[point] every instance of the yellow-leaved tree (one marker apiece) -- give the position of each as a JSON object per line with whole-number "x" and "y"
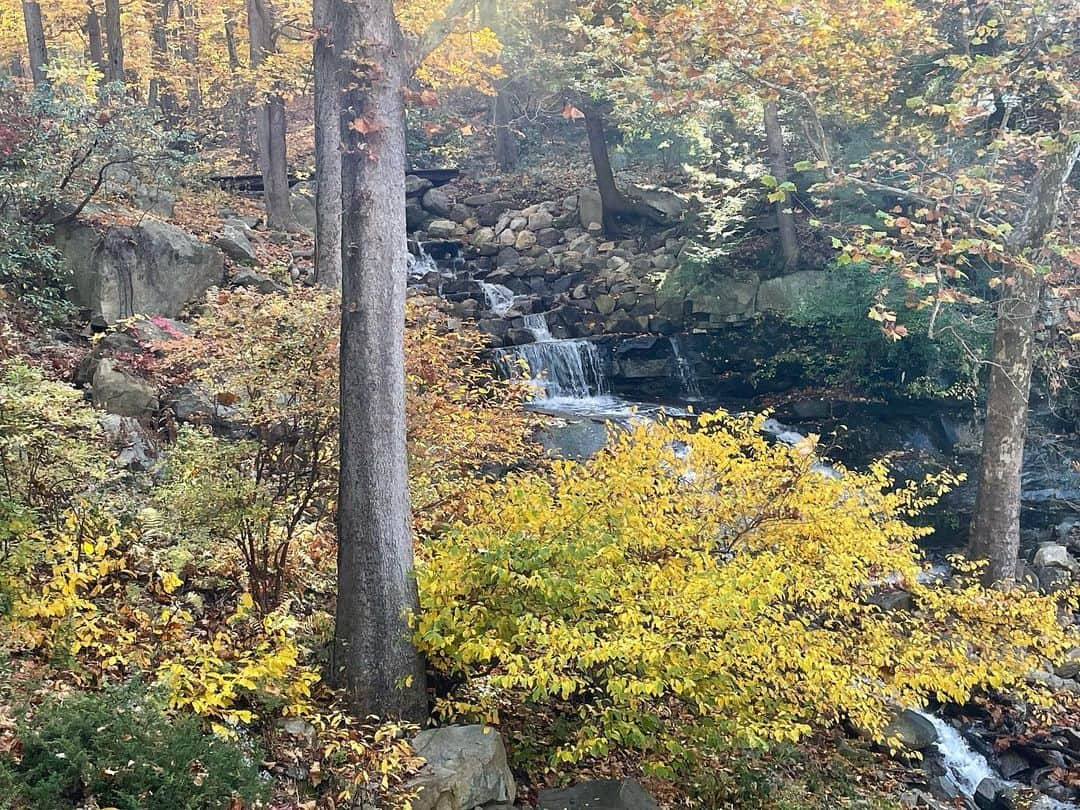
{"x": 694, "y": 588}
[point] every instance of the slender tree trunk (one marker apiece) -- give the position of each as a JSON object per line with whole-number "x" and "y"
{"x": 159, "y": 55}
{"x": 269, "y": 123}
{"x": 35, "y": 41}
{"x": 995, "y": 530}
{"x": 94, "y": 40}
{"x": 373, "y": 657}
{"x": 506, "y": 146}
{"x": 115, "y": 38}
{"x": 785, "y": 219}
{"x": 327, "y": 150}
{"x": 616, "y": 204}
{"x": 240, "y": 94}
{"x": 189, "y": 50}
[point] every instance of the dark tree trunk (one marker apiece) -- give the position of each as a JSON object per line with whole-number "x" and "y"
{"x": 115, "y": 38}
{"x": 159, "y": 54}
{"x": 617, "y": 205}
{"x": 995, "y": 530}
{"x": 373, "y": 657}
{"x": 327, "y": 150}
{"x": 785, "y": 219}
{"x": 239, "y": 97}
{"x": 189, "y": 50}
{"x": 94, "y": 41}
{"x": 35, "y": 41}
{"x": 506, "y": 146}
{"x": 269, "y": 123}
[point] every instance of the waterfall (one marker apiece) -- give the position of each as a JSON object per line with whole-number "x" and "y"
{"x": 560, "y": 369}
{"x": 965, "y": 767}
{"x": 688, "y": 381}
{"x": 537, "y": 324}
{"x": 498, "y": 298}
{"x": 422, "y": 264}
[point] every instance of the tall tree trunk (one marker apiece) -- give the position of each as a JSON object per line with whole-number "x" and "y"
{"x": 373, "y": 657}
{"x": 327, "y": 150}
{"x": 35, "y": 41}
{"x": 506, "y": 146}
{"x": 995, "y": 530}
{"x": 240, "y": 94}
{"x": 159, "y": 55}
{"x": 115, "y": 38}
{"x": 269, "y": 122}
{"x": 94, "y": 40}
{"x": 189, "y": 50}
{"x": 785, "y": 219}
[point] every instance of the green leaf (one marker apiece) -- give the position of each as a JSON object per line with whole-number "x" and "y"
{"x": 768, "y": 181}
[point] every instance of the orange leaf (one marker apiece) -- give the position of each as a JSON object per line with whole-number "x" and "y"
{"x": 571, "y": 113}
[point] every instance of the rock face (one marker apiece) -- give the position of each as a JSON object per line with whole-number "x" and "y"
{"x": 466, "y": 768}
{"x": 151, "y": 268}
{"x": 601, "y": 794}
{"x": 235, "y": 244}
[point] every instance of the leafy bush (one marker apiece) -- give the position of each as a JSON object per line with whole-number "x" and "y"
{"x": 688, "y": 590}
{"x": 272, "y": 360}
{"x": 49, "y": 449}
{"x": 121, "y": 750}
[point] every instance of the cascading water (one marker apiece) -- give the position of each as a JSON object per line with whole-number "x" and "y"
{"x": 965, "y": 766}
{"x": 537, "y": 324}
{"x": 498, "y": 298}
{"x": 688, "y": 381}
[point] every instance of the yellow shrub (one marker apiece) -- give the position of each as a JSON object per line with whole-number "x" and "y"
{"x": 688, "y": 587}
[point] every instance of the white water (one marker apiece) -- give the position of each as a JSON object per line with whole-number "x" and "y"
{"x": 498, "y": 298}
{"x": 688, "y": 381}
{"x": 421, "y": 265}
{"x": 537, "y": 324}
{"x": 965, "y": 766}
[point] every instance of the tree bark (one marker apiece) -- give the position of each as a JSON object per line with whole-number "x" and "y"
{"x": 373, "y": 656}
{"x": 269, "y": 123}
{"x": 616, "y": 204}
{"x": 995, "y": 530}
{"x": 35, "y": 41}
{"x": 189, "y": 50}
{"x": 115, "y": 38}
{"x": 506, "y": 146}
{"x": 785, "y": 219}
{"x": 94, "y": 41}
{"x": 327, "y": 150}
{"x": 159, "y": 55}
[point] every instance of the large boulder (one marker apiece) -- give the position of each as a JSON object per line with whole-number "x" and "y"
{"x": 791, "y": 293}
{"x": 117, "y": 391}
{"x": 465, "y": 767}
{"x": 600, "y": 794}
{"x": 666, "y": 204}
{"x": 150, "y": 268}
{"x": 302, "y": 201}
{"x": 730, "y": 301}
{"x": 235, "y": 244}
{"x": 913, "y": 730}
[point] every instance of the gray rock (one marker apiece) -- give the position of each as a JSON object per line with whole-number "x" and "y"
{"x": 415, "y": 215}
{"x": 235, "y": 244}
{"x": 302, "y": 202}
{"x": 549, "y": 237}
{"x": 117, "y": 391}
{"x": 600, "y": 794}
{"x": 135, "y": 446}
{"x": 590, "y": 208}
{"x": 436, "y": 201}
{"x": 416, "y": 186}
{"x": 1070, "y": 667}
{"x": 441, "y": 229}
{"x": 792, "y": 292}
{"x": 1054, "y": 554}
{"x": 540, "y": 220}
{"x": 465, "y": 766}
{"x": 735, "y": 299}
{"x": 913, "y": 730}
{"x": 665, "y": 202}
{"x": 480, "y": 200}
{"x": 994, "y": 794}
{"x": 150, "y": 268}
{"x": 257, "y": 281}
